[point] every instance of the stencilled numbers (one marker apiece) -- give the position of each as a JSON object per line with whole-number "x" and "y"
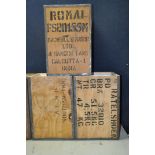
{"x": 92, "y": 113}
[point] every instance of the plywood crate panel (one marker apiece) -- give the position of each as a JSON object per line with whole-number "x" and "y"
{"x": 68, "y": 39}
{"x": 97, "y": 106}
{"x": 51, "y": 106}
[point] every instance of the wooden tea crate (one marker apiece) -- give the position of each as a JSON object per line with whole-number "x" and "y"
{"x": 68, "y": 38}
{"x": 51, "y": 106}
{"x": 97, "y": 106}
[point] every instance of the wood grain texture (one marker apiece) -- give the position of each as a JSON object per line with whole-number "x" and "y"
{"x": 97, "y": 106}
{"x": 51, "y": 106}
{"x": 68, "y": 39}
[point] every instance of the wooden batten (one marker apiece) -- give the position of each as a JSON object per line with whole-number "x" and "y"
{"x": 51, "y": 106}
{"x": 97, "y": 106}
{"x": 28, "y": 124}
{"x": 68, "y": 39}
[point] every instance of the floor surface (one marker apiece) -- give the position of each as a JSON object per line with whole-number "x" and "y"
{"x": 79, "y": 147}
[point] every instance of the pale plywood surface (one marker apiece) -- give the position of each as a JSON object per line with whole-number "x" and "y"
{"x": 97, "y": 104}
{"x": 79, "y": 147}
{"x": 68, "y": 52}
{"x": 51, "y": 106}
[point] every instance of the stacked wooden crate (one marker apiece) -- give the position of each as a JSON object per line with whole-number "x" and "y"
{"x": 71, "y": 102}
